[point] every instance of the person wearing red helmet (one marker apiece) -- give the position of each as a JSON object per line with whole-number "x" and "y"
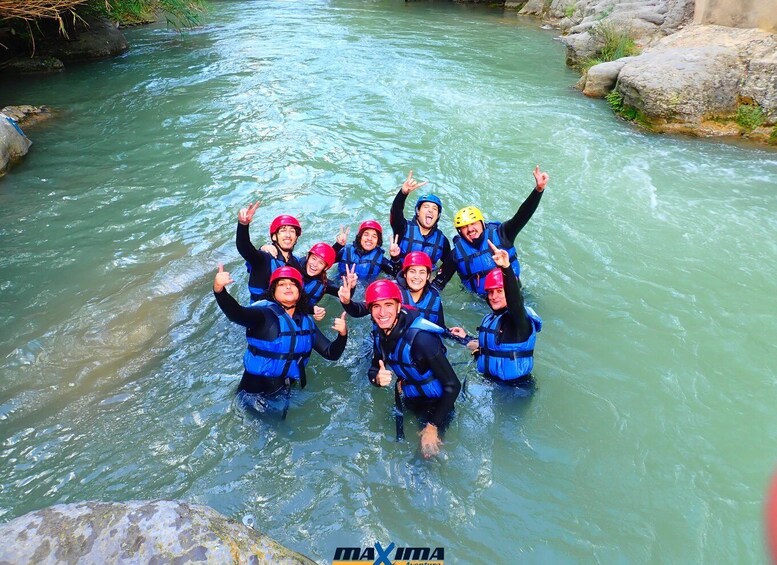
{"x": 284, "y": 231}
{"x": 506, "y": 337}
{"x": 421, "y": 233}
{"x": 280, "y": 335}
{"x": 470, "y": 255}
{"x": 410, "y": 346}
{"x": 320, "y": 258}
{"x": 365, "y": 252}
{"x": 417, "y": 290}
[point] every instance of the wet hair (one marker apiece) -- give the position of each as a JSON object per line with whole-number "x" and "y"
{"x": 357, "y": 243}
{"x": 302, "y": 302}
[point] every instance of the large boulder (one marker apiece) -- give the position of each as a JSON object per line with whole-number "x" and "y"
{"x": 683, "y": 84}
{"x": 703, "y": 72}
{"x": 600, "y": 79}
{"x": 93, "y": 38}
{"x": 644, "y": 21}
{"x": 161, "y": 531}
{"x": 13, "y": 143}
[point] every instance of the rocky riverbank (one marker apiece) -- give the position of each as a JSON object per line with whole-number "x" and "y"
{"x": 670, "y": 74}
{"x": 161, "y": 531}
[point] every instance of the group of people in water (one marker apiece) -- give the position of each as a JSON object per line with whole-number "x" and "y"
{"x": 406, "y": 306}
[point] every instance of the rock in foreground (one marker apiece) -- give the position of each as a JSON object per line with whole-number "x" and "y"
{"x": 159, "y": 531}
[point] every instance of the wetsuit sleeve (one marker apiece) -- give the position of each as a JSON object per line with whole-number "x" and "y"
{"x": 247, "y": 317}
{"x": 331, "y": 289}
{"x": 397, "y": 215}
{"x": 245, "y": 247}
{"x": 337, "y": 247}
{"x": 520, "y": 326}
{"x": 372, "y": 372}
{"x": 446, "y": 271}
{"x": 441, "y": 320}
{"x": 446, "y": 246}
{"x": 390, "y": 267}
{"x": 510, "y": 229}
{"x": 331, "y": 350}
{"x": 356, "y": 309}
{"x": 429, "y": 347}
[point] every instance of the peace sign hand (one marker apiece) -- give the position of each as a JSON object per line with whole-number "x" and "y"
{"x": 340, "y": 326}
{"x": 411, "y": 184}
{"x": 500, "y": 256}
{"x": 223, "y": 278}
{"x": 383, "y": 378}
{"x": 541, "y": 178}
{"x": 342, "y": 237}
{"x": 344, "y": 292}
{"x": 395, "y": 250}
{"x": 350, "y": 276}
{"x": 245, "y": 215}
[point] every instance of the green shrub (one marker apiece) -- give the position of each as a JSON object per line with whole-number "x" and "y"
{"x": 773, "y": 136}
{"x": 615, "y": 43}
{"x": 615, "y": 100}
{"x": 749, "y": 116}
{"x": 569, "y": 11}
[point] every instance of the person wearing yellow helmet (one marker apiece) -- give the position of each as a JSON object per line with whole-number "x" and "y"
{"x": 471, "y": 255}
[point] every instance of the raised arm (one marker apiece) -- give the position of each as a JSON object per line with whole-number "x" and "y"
{"x": 510, "y": 229}
{"x": 246, "y": 317}
{"x": 243, "y": 238}
{"x": 515, "y": 307}
{"x": 397, "y": 216}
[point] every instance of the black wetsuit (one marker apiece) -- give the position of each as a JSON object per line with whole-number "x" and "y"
{"x": 399, "y": 222}
{"x": 508, "y": 231}
{"x": 262, "y": 324}
{"x": 260, "y": 261}
{"x": 428, "y": 353}
{"x": 515, "y": 325}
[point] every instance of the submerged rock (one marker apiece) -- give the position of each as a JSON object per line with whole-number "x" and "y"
{"x": 161, "y": 531}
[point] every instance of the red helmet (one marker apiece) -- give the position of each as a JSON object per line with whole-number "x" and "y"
{"x": 383, "y": 289}
{"x": 287, "y": 273}
{"x": 325, "y": 251}
{"x": 494, "y": 279}
{"x": 285, "y": 220}
{"x": 370, "y": 225}
{"x": 416, "y": 259}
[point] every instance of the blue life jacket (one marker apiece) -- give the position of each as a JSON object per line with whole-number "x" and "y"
{"x": 506, "y": 361}
{"x": 286, "y": 355}
{"x": 314, "y": 289}
{"x": 431, "y": 243}
{"x": 367, "y": 265}
{"x": 259, "y": 288}
{"x": 473, "y": 263}
{"x": 429, "y": 306}
{"x": 414, "y": 384}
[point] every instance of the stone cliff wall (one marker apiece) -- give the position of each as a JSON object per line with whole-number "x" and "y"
{"x": 760, "y": 14}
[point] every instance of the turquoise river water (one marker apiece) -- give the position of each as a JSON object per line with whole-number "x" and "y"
{"x": 653, "y": 432}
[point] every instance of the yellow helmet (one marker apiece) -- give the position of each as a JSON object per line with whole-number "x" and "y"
{"x": 466, "y": 216}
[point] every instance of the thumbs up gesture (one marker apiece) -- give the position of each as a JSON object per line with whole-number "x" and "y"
{"x": 383, "y": 378}
{"x": 340, "y": 326}
{"x": 223, "y": 278}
